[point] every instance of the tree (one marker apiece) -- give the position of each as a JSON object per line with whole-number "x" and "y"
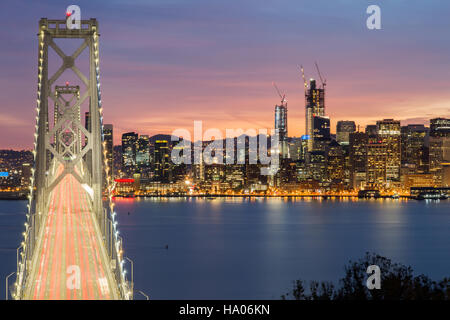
{"x": 397, "y": 283}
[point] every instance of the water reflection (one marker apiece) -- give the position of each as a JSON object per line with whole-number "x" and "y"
{"x": 253, "y": 247}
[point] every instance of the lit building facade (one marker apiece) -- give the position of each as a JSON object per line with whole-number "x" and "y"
{"x": 343, "y": 130}
{"x": 357, "y": 159}
{"x": 414, "y": 151}
{"x": 129, "y": 141}
{"x": 161, "y": 158}
{"x": 388, "y": 133}
{"x": 376, "y": 165}
{"x": 143, "y": 151}
{"x": 109, "y": 147}
{"x": 315, "y": 107}
{"x": 281, "y": 126}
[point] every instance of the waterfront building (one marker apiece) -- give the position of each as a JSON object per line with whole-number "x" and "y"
{"x": 357, "y": 159}
{"x": 162, "y": 163}
{"x": 335, "y": 162}
{"x": 129, "y": 140}
{"x": 143, "y": 151}
{"x": 109, "y": 144}
{"x": 388, "y": 133}
{"x": 376, "y": 165}
{"x": 439, "y": 156}
{"x": 414, "y": 152}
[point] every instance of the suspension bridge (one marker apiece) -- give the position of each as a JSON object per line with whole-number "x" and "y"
{"x": 71, "y": 247}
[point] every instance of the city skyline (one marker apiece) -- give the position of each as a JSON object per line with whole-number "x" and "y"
{"x": 226, "y": 71}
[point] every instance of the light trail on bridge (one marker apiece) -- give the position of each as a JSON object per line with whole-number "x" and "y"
{"x": 70, "y": 239}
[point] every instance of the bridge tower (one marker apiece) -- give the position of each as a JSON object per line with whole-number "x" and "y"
{"x": 61, "y": 146}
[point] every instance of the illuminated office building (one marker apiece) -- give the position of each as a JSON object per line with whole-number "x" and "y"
{"x": 143, "y": 151}
{"x": 321, "y": 133}
{"x": 357, "y": 159}
{"x": 281, "y": 126}
{"x": 336, "y": 162}
{"x": 388, "y": 132}
{"x": 343, "y": 130}
{"x": 414, "y": 153}
{"x": 129, "y": 141}
{"x": 315, "y": 107}
{"x": 440, "y": 127}
{"x": 376, "y": 165}
{"x": 439, "y": 156}
{"x": 161, "y": 158}
{"x": 109, "y": 145}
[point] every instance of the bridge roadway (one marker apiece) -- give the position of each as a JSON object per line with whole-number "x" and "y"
{"x": 70, "y": 241}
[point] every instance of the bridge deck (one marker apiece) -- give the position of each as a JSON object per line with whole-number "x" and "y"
{"x": 70, "y": 241}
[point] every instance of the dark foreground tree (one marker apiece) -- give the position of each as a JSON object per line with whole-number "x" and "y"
{"x": 397, "y": 283}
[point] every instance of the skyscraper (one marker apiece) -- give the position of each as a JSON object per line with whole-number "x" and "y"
{"x": 414, "y": 152}
{"x": 281, "y": 126}
{"x": 343, "y": 130}
{"x": 439, "y": 155}
{"x": 440, "y": 127}
{"x": 439, "y": 158}
{"x": 161, "y": 160}
{"x": 335, "y": 162}
{"x": 321, "y": 133}
{"x": 108, "y": 139}
{"x": 143, "y": 151}
{"x": 376, "y": 164}
{"x": 358, "y": 154}
{"x": 388, "y": 132}
{"x": 371, "y": 130}
{"x": 315, "y": 107}
{"x": 129, "y": 140}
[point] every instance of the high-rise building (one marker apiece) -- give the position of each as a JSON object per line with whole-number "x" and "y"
{"x": 343, "y": 130}
{"x": 129, "y": 140}
{"x": 439, "y": 155}
{"x": 439, "y": 152}
{"x": 335, "y": 162}
{"x": 440, "y": 127}
{"x": 281, "y": 126}
{"x": 376, "y": 165}
{"x": 388, "y": 132}
{"x": 317, "y": 166}
{"x": 143, "y": 151}
{"x": 321, "y": 133}
{"x": 371, "y": 130}
{"x": 109, "y": 144}
{"x": 161, "y": 160}
{"x": 295, "y": 148}
{"x": 414, "y": 151}
{"x": 315, "y": 107}
{"x": 357, "y": 159}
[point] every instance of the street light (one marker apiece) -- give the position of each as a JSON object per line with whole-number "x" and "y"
{"x": 6, "y": 280}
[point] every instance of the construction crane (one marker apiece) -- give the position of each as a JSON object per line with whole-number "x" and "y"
{"x": 282, "y": 96}
{"x": 322, "y": 80}
{"x": 303, "y": 77}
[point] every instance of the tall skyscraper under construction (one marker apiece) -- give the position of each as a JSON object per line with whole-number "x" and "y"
{"x": 314, "y": 105}
{"x": 281, "y": 124}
